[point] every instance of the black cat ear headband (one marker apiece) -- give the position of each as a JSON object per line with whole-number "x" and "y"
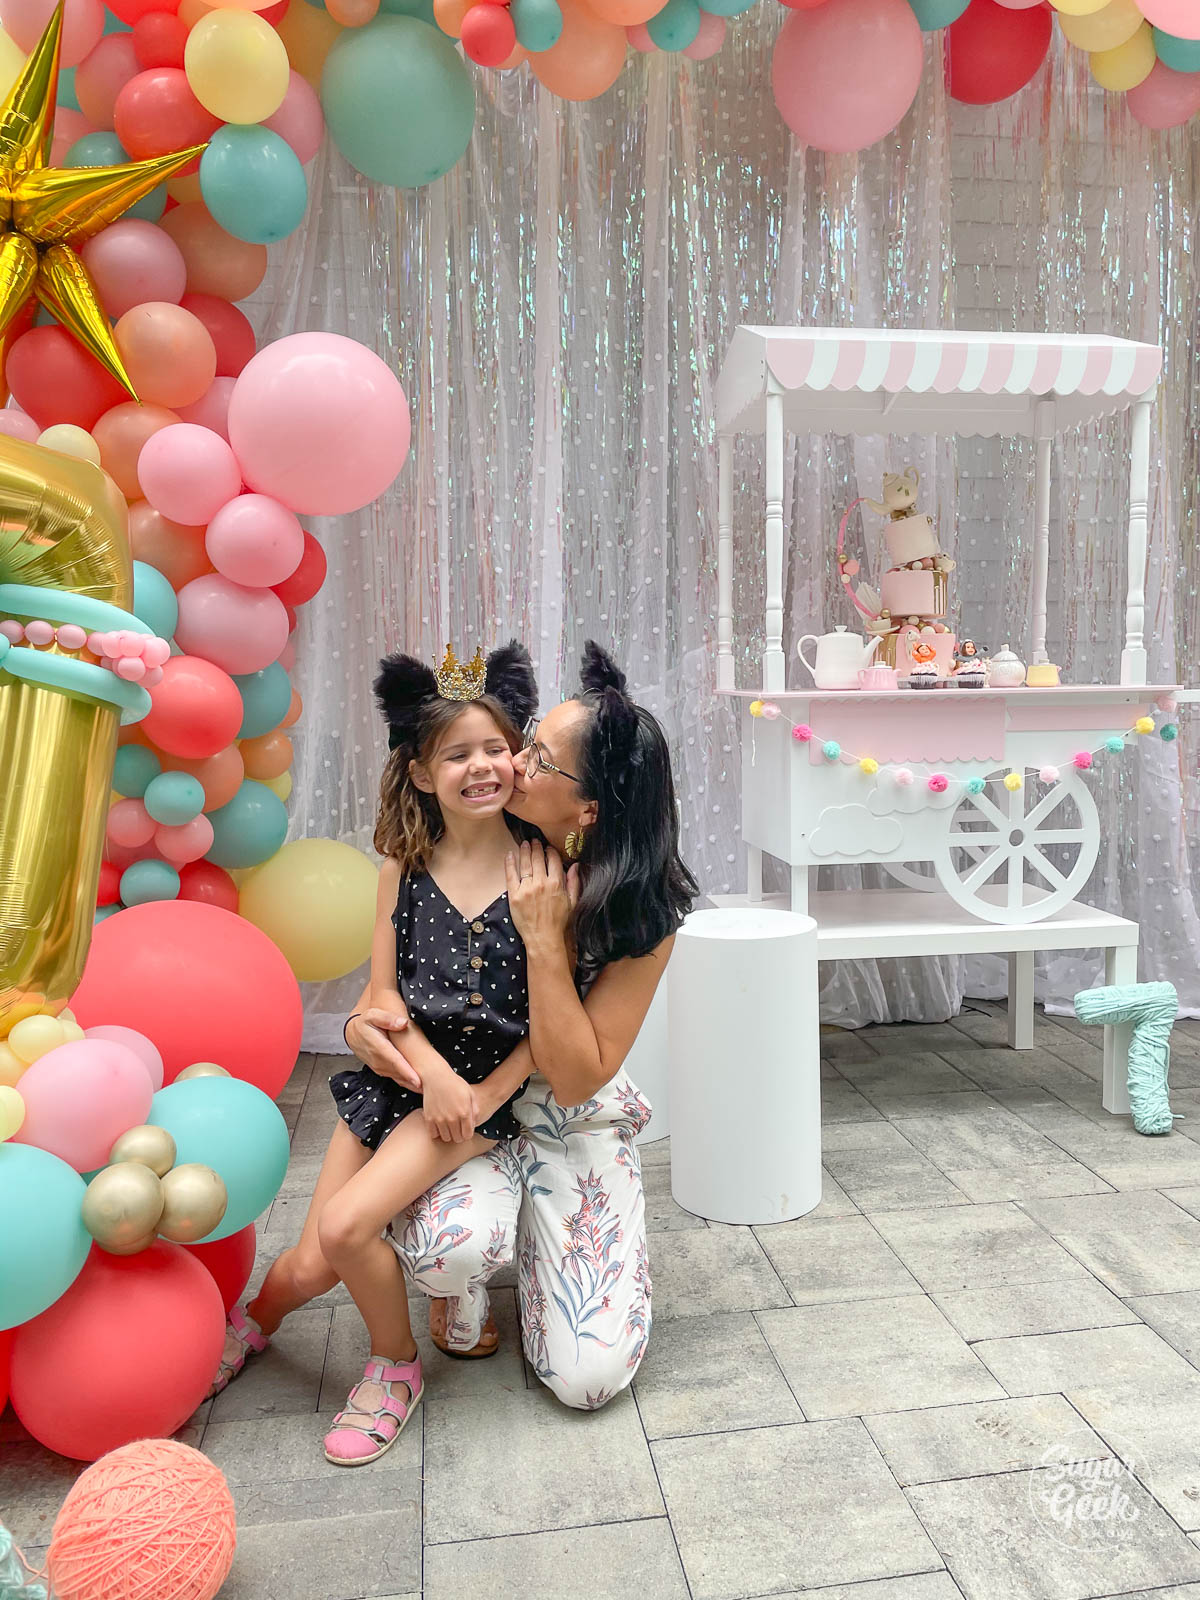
{"x": 406, "y": 688}
{"x": 604, "y": 686}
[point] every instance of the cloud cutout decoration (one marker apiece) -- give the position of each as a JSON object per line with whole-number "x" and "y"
{"x": 853, "y": 831}
{"x": 889, "y": 798}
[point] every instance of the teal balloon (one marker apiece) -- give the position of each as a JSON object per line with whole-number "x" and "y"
{"x": 103, "y": 913}
{"x": 149, "y": 880}
{"x": 421, "y": 9}
{"x": 253, "y": 184}
{"x": 43, "y": 1242}
{"x": 539, "y": 23}
{"x": 154, "y": 601}
{"x": 114, "y": 24}
{"x": 96, "y": 150}
{"x": 133, "y": 769}
{"x": 248, "y": 830}
{"x": 399, "y": 101}
{"x": 934, "y": 14}
{"x": 151, "y": 206}
{"x": 66, "y": 89}
{"x": 266, "y": 697}
{"x": 174, "y": 798}
{"x": 676, "y": 25}
{"x": 1183, "y": 55}
{"x": 235, "y": 1129}
{"x": 727, "y": 8}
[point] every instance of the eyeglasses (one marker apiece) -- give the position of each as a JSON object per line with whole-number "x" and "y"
{"x": 536, "y": 759}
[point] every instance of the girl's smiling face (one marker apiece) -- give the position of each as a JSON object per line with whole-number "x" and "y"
{"x": 470, "y": 772}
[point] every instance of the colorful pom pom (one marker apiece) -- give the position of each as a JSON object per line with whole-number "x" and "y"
{"x": 1114, "y": 744}
{"x": 1049, "y": 774}
{"x": 1013, "y": 781}
{"x": 1168, "y": 731}
{"x": 831, "y": 750}
{"x": 975, "y": 785}
{"x": 939, "y": 783}
{"x": 869, "y": 765}
{"x": 1083, "y": 760}
{"x": 756, "y": 708}
{"x": 770, "y": 711}
{"x": 903, "y": 777}
{"x": 1144, "y": 725}
{"x": 802, "y": 733}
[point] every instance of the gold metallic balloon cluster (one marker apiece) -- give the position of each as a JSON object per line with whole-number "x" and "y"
{"x": 142, "y": 1195}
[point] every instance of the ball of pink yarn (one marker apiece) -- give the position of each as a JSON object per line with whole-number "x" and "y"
{"x": 1083, "y": 760}
{"x": 939, "y": 783}
{"x": 1049, "y": 774}
{"x": 802, "y": 733}
{"x": 902, "y": 776}
{"x": 153, "y": 1520}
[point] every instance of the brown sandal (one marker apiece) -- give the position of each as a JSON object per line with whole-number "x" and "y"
{"x": 477, "y": 1352}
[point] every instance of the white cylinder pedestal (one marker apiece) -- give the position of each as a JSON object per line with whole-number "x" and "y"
{"x": 745, "y": 1066}
{"x": 646, "y": 1067}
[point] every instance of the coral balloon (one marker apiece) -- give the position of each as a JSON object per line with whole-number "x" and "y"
{"x": 83, "y": 23}
{"x": 174, "y": 550}
{"x": 294, "y": 711}
{"x": 992, "y": 52}
{"x": 157, "y": 112}
{"x": 129, "y": 824}
{"x": 167, "y": 352}
{"x": 135, "y": 1338}
{"x": 195, "y": 710}
{"x": 159, "y": 39}
{"x": 100, "y": 79}
{"x": 450, "y": 15}
{"x": 845, "y": 74}
{"x": 53, "y": 379}
{"x": 237, "y": 66}
{"x": 228, "y": 328}
{"x": 268, "y": 756}
{"x": 217, "y": 263}
{"x": 625, "y": 13}
{"x": 131, "y": 11}
{"x": 353, "y": 13}
{"x": 255, "y": 541}
{"x": 319, "y": 423}
{"x": 212, "y": 409}
{"x": 209, "y": 884}
{"x": 79, "y": 1097}
{"x": 162, "y": 968}
{"x": 131, "y": 262}
{"x": 587, "y": 59}
{"x": 314, "y": 899}
{"x": 488, "y": 36}
{"x": 240, "y": 629}
{"x": 299, "y": 122}
{"x": 137, "y": 1043}
{"x": 1165, "y": 99}
{"x": 121, "y": 434}
{"x": 188, "y": 473}
{"x": 308, "y": 577}
{"x": 220, "y": 775}
{"x": 230, "y": 1261}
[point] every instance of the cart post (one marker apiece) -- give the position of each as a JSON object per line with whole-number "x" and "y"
{"x": 1044, "y": 435}
{"x": 773, "y": 665}
{"x": 1133, "y": 656}
{"x": 725, "y": 672}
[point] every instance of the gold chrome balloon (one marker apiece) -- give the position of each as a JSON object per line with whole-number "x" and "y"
{"x": 201, "y": 1069}
{"x": 152, "y": 1147}
{"x": 194, "y": 1201}
{"x": 63, "y": 525}
{"x": 122, "y": 1206}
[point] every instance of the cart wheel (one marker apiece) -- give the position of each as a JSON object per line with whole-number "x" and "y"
{"x": 1018, "y": 856}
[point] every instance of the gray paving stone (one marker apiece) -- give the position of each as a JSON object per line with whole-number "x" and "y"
{"x": 34, "y": 1482}
{"x": 993, "y": 1070}
{"x": 892, "y": 1180}
{"x": 1120, "y": 1155}
{"x": 1135, "y": 1243}
{"x": 329, "y": 1558}
{"x": 884, "y": 1077}
{"x": 920, "y": 1586}
{"x": 663, "y": 1215}
{"x": 1049, "y": 1363}
{"x": 880, "y": 1136}
{"x": 913, "y": 1038}
{"x": 773, "y": 1509}
{"x": 1176, "y": 1317}
{"x": 998, "y": 1548}
{"x": 713, "y": 1270}
{"x": 987, "y": 1185}
{"x": 612, "y": 1562}
{"x": 711, "y": 1375}
{"x": 286, "y": 1377}
{"x": 841, "y": 1102}
{"x": 991, "y": 1138}
{"x": 874, "y": 1355}
{"x": 501, "y": 1463}
{"x": 973, "y": 1247}
{"x": 842, "y": 1259}
{"x": 846, "y": 1044}
{"x": 1002, "y": 1312}
{"x": 1159, "y": 1423}
{"x": 975, "y": 1441}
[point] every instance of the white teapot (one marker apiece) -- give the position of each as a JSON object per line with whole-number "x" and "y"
{"x": 841, "y": 656}
{"x": 1006, "y": 670}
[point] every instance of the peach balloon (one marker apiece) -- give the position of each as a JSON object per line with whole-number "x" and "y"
{"x": 83, "y": 23}
{"x": 185, "y": 188}
{"x": 294, "y": 712}
{"x": 587, "y": 59}
{"x": 174, "y": 550}
{"x": 132, "y": 261}
{"x": 217, "y": 263}
{"x": 309, "y": 34}
{"x": 121, "y": 433}
{"x": 352, "y": 13}
{"x": 268, "y": 756}
{"x": 190, "y": 11}
{"x": 449, "y": 14}
{"x": 220, "y": 776}
{"x": 1165, "y": 98}
{"x": 100, "y": 78}
{"x": 168, "y": 353}
{"x": 627, "y": 13}
{"x": 212, "y": 408}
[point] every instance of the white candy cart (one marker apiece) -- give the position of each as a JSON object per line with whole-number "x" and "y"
{"x": 981, "y": 866}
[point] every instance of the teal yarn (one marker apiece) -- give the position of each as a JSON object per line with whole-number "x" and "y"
{"x": 831, "y": 750}
{"x": 1168, "y": 732}
{"x": 1114, "y": 744}
{"x": 975, "y": 785}
{"x": 13, "y": 1571}
{"x": 1152, "y": 1008}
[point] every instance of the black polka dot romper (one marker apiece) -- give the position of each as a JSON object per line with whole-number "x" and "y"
{"x": 465, "y": 984}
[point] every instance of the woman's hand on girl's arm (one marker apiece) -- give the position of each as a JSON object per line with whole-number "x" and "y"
{"x": 367, "y": 1034}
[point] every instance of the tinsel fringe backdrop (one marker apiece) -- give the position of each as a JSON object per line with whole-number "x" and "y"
{"x": 557, "y": 308}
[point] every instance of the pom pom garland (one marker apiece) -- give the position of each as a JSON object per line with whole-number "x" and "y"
{"x": 869, "y": 765}
{"x": 1168, "y": 732}
{"x": 1014, "y": 781}
{"x": 903, "y": 777}
{"x": 1049, "y": 774}
{"x": 975, "y": 785}
{"x": 1083, "y": 760}
{"x": 939, "y": 783}
{"x": 831, "y": 750}
{"x": 1114, "y": 745}
{"x": 802, "y": 733}
{"x": 1144, "y": 725}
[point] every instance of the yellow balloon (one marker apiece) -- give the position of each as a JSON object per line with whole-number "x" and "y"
{"x": 282, "y": 785}
{"x": 11, "y": 1066}
{"x": 1078, "y": 8}
{"x": 1128, "y": 65}
{"x": 237, "y": 66}
{"x": 316, "y": 899}
{"x": 12, "y": 1112}
{"x": 35, "y": 1036}
{"x": 69, "y": 440}
{"x": 66, "y": 1014}
{"x": 309, "y": 34}
{"x": 1118, "y": 21}
{"x": 72, "y": 1031}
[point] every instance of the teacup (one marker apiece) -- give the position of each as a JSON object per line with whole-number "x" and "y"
{"x": 877, "y": 677}
{"x": 1042, "y": 675}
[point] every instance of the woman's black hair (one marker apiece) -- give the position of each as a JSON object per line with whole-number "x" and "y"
{"x": 636, "y": 889}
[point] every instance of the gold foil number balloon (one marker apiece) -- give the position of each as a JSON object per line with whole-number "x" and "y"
{"x": 194, "y": 1201}
{"x": 152, "y": 1147}
{"x": 122, "y": 1206}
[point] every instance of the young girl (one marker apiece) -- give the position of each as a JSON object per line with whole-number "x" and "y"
{"x": 445, "y": 951}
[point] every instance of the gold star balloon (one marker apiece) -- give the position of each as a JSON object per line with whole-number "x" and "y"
{"x": 46, "y": 213}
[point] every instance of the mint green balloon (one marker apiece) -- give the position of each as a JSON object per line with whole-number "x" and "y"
{"x": 727, "y": 8}
{"x": 235, "y": 1129}
{"x": 421, "y": 9}
{"x": 154, "y": 601}
{"x": 106, "y": 150}
{"x": 266, "y": 696}
{"x": 148, "y": 880}
{"x": 43, "y": 1242}
{"x": 1183, "y": 55}
{"x": 174, "y": 798}
{"x": 133, "y": 769}
{"x": 398, "y": 100}
{"x": 934, "y": 14}
{"x": 539, "y": 23}
{"x": 676, "y": 25}
{"x": 250, "y": 829}
{"x": 66, "y": 89}
{"x": 253, "y": 184}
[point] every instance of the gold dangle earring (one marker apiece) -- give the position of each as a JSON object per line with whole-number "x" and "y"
{"x": 573, "y": 844}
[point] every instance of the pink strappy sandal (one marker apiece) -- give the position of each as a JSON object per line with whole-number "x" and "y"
{"x": 374, "y": 1417}
{"x": 243, "y": 1338}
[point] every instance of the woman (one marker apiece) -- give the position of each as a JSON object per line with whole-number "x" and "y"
{"x": 595, "y": 780}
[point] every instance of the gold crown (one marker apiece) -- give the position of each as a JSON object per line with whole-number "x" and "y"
{"x": 456, "y": 682}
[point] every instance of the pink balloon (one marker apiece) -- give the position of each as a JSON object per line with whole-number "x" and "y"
{"x": 638, "y": 35}
{"x": 1180, "y": 17}
{"x": 320, "y": 423}
{"x": 83, "y": 23}
{"x": 709, "y": 38}
{"x": 299, "y": 122}
{"x": 185, "y": 841}
{"x": 287, "y": 656}
{"x": 131, "y": 262}
{"x": 129, "y": 824}
{"x": 845, "y": 74}
{"x": 102, "y": 76}
{"x": 255, "y": 541}
{"x": 1019, "y": 5}
{"x": 1166, "y": 98}
{"x": 17, "y": 425}
{"x": 144, "y": 1049}
{"x": 212, "y": 409}
{"x": 80, "y": 1098}
{"x": 187, "y": 473}
{"x": 68, "y": 126}
{"x": 240, "y": 630}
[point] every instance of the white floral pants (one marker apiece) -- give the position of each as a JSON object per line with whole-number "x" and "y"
{"x": 566, "y": 1196}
